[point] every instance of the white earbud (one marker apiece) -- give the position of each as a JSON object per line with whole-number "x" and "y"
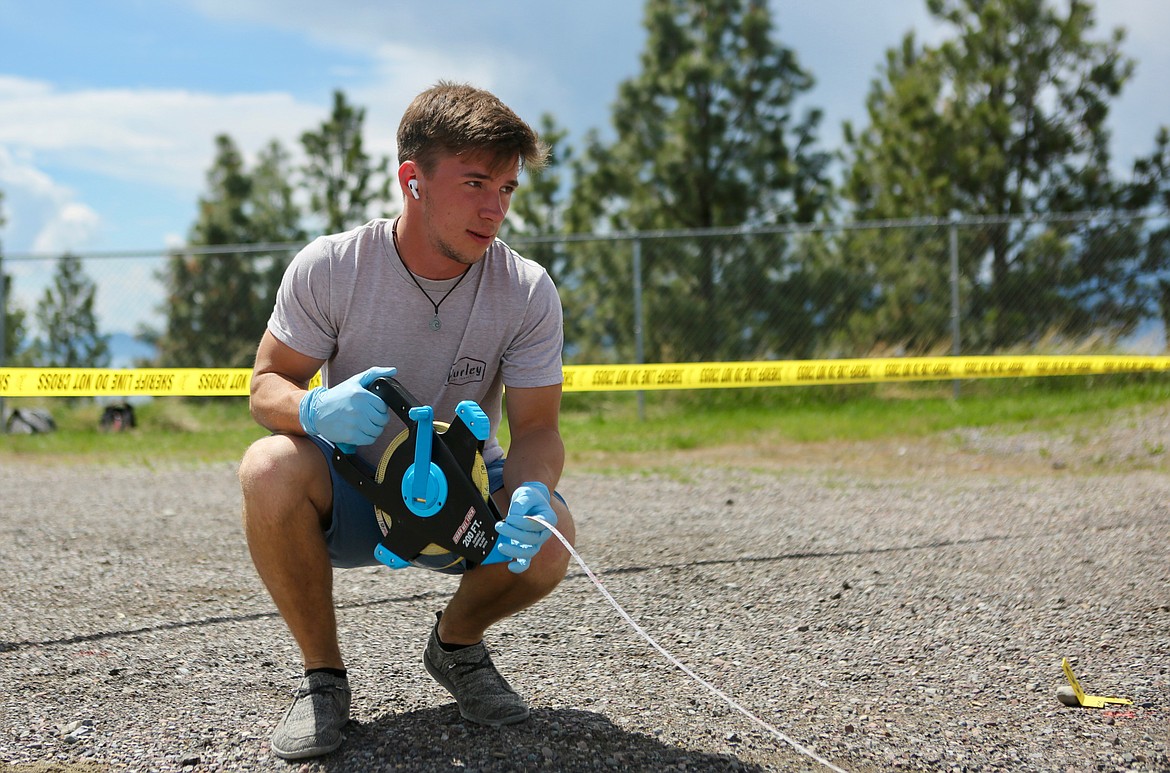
{"x": 413, "y": 185}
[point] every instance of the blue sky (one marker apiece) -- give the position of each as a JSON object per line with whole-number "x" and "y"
{"x": 109, "y": 108}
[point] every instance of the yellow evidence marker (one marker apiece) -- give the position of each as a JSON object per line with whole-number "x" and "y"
{"x": 1076, "y": 696}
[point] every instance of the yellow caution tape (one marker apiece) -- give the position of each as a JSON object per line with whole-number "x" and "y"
{"x": 716, "y": 375}
{"x": 113, "y": 382}
{"x": 218, "y": 382}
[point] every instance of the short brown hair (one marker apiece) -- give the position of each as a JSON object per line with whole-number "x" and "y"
{"x": 454, "y": 118}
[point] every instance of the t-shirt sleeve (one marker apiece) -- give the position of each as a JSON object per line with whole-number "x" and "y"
{"x": 534, "y": 357}
{"x": 301, "y": 317}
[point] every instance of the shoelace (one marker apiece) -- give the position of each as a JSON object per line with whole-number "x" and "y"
{"x": 467, "y": 668}
{"x": 470, "y": 667}
{"x": 319, "y": 689}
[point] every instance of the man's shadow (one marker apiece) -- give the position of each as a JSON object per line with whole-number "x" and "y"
{"x": 552, "y": 739}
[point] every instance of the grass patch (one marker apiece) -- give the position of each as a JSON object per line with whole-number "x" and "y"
{"x": 219, "y": 429}
{"x": 168, "y": 430}
{"x": 711, "y": 418}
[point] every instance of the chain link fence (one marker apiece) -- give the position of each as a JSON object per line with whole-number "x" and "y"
{"x": 957, "y": 286}
{"x": 1088, "y": 282}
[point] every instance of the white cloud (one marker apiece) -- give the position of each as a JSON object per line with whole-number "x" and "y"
{"x": 70, "y": 225}
{"x": 41, "y": 212}
{"x": 399, "y": 72}
{"x": 160, "y": 137}
{"x": 565, "y": 59}
{"x": 160, "y": 141}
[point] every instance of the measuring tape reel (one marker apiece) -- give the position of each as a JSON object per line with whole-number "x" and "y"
{"x": 430, "y": 488}
{"x": 432, "y": 556}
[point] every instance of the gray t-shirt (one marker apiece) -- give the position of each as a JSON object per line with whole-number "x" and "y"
{"x": 349, "y": 300}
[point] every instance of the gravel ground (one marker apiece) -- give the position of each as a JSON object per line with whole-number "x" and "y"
{"x": 889, "y": 605}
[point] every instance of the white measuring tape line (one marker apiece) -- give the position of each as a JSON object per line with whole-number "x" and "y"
{"x": 715, "y": 690}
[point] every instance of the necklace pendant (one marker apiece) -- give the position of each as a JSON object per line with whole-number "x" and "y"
{"x": 435, "y": 323}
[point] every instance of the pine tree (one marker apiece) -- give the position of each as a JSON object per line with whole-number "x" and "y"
{"x": 707, "y": 135}
{"x": 67, "y": 321}
{"x": 275, "y": 218}
{"x": 1006, "y": 118}
{"x": 218, "y": 302}
{"x": 342, "y": 180}
{"x": 210, "y": 304}
{"x": 11, "y": 317}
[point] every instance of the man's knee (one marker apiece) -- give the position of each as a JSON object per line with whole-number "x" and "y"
{"x": 552, "y": 562}
{"x": 279, "y": 473}
{"x": 265, "y": 466}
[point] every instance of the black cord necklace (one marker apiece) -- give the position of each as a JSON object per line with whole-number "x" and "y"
{"x": 435, "y": 324}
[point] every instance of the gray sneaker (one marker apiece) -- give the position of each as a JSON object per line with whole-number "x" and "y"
{"x": 312, "y": 725}
{"x": 470, "y": 676}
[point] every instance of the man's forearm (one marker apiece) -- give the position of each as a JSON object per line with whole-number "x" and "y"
{"x": 275, "y": 402}
{"x": 536, "y": 456}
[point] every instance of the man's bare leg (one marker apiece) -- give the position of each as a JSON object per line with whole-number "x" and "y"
{"x": 287, "y": 495}
{"x": 488, "y": 594}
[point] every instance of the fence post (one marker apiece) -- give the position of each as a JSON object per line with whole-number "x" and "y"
{"x": 956, "y": 347}
{"x": 639, "y": 350}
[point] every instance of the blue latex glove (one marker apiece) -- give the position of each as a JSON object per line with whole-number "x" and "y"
{"x": 522, "y": 537}
{"x": 347, "y": 415}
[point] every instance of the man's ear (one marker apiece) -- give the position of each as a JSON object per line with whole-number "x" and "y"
{"x": 408, "y": 172}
